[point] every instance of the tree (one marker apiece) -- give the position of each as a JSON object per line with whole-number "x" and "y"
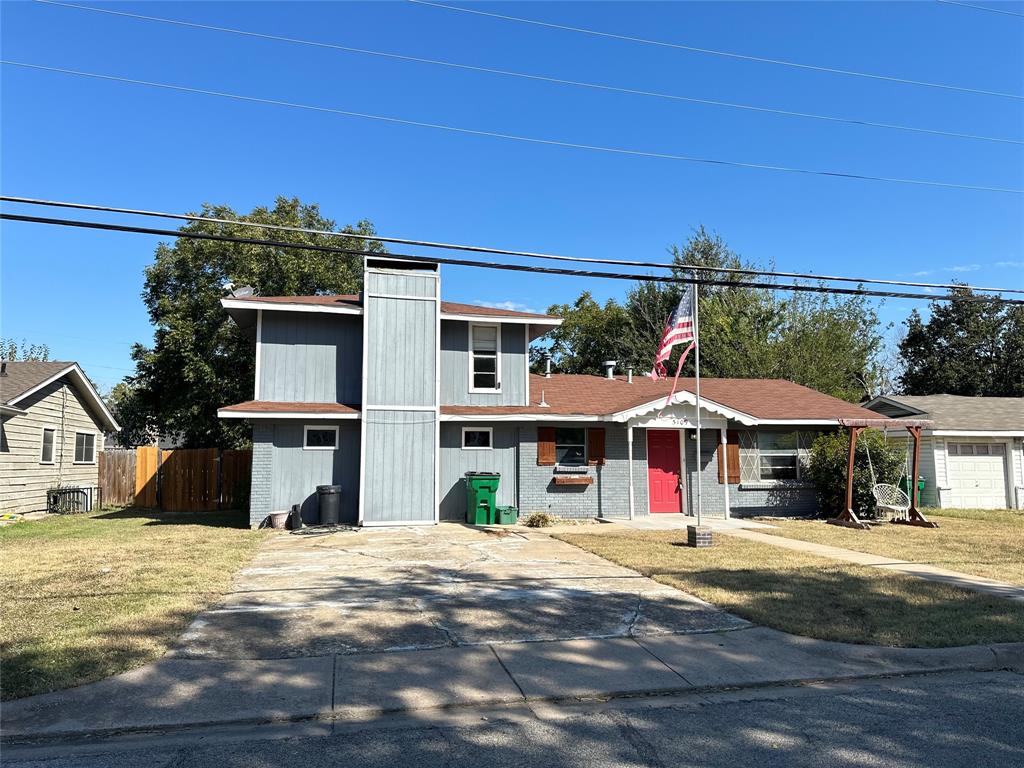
{"x": 137, "y": 426}
{"x": 966, "y": 347}
{"x": 11, "y": 350}
{"x": 825, "y": 342}
{"x": 200, "y": 360}
{"x": 827, "y": 469}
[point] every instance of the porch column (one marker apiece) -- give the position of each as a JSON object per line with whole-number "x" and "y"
{"x": 723, "y": 432}
{"x": 629, "y": 456}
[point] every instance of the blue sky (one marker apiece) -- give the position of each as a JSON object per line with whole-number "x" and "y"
{"x": 112, "y": 143}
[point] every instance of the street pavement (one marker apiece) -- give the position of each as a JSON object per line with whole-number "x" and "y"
{"x": 949, "y": 720}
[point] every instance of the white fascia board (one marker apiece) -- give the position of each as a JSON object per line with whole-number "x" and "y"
{"x": 222, "y": 414}
{"x": 687, "y": 398}
{"x": 84, "y": 385}
{"x": 552, "y": 322}
{"x": 978, "y": 432}
{"x": 10, "y": 410}
{"x": 483, "y": 418}
{"x": 284, "y": 307}
{"x": 799, "y": 422}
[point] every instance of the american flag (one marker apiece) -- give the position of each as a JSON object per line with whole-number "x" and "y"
{"x": 678, "y": 330}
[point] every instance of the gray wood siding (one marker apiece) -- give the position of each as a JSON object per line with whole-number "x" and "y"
{"x": 401, "y": 283}
{"x": 294, "y": 473}
{"x": 23, "y": 479}
{"x": 455, "y": 366}
{"x": 455, "y": 462}
{"x": 400, "y": 455}
{"x": 310, "y": 358}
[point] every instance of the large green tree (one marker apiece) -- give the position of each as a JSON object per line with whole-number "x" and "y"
{"x": 966, "y": 347}
{"x": 199, "y": 360}
{"x": 826, "y": 342}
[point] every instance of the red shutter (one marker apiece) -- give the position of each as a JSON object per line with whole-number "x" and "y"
{"x": 732, "y": 453}
{"x": 545, "y": 446}
{"x": 595, "y": 445}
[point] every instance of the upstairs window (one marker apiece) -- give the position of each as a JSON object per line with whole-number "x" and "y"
{"x": 46, "y": 453}
{"x": 85, "y": 448}
{"x": 484, "y": 357}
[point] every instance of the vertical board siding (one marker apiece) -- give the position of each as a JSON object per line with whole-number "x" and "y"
{"x": 401, "y": 283}
{"x": 400, "y": 352}
{"x": 455, "y": 462}
{"x": 24, "y": 480}
{"x": 400, "y": 455}
{"x": 455, "y": 366}
{"x": 310, "y": 358}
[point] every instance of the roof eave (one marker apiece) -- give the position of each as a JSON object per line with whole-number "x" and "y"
{"x": 85, "y": 386}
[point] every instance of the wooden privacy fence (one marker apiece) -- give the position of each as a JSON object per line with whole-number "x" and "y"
{"x": 178, "y": 480}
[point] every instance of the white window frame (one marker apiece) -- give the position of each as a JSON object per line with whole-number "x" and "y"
{"x": 320, "y": 427}
{"x": 94, "y": 442}
{"x": 53, "y": 446}
{"x": 490, "y": 439}
{"x": 585, "y": 444}
{"x": 796, "y": 453}
{"x": 497, "y": 357}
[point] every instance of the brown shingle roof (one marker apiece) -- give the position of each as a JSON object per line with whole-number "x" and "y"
{"x": 354, "y": 301}
{"x": 272, "y": 406}
{"x": 572, "y": 395}
{"x": 23, "y": 375}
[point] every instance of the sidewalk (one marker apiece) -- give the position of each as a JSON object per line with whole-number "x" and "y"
{"x": 179, "y": 693}
{"x": 921, "y": 570}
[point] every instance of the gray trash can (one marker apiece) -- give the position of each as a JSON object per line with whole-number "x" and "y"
{"x": 329, "y": 499}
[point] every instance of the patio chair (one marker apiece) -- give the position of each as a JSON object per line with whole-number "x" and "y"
{"x": 891, "y": 500}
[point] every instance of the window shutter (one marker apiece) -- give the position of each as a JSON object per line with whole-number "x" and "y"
{"x": 732, "y": 453}
{"x": 595, "y": 445}
{"x": 545, "y": 446}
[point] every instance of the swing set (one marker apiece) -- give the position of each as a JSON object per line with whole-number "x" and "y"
{"x": 890, "y": 498}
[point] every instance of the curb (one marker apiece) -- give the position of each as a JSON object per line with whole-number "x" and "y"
{"x": 1006, "y": 657}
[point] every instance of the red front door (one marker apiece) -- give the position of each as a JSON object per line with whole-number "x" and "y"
{"x": 663, "y": 471}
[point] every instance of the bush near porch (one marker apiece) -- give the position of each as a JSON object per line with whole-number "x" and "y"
{"x": 828, "y": 463}
{"x": 89, "y": 596}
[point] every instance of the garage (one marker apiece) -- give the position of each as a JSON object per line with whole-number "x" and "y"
{"x": 977, "y": 475}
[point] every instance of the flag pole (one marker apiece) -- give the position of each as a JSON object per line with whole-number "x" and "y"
{"x": 696, "y": 364}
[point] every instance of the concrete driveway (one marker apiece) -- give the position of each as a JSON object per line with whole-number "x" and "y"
{"x": 418, "y": 588}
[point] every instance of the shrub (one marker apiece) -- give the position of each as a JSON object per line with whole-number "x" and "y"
{"x": 539, "y": 520}
{"x": 827, "y": 469}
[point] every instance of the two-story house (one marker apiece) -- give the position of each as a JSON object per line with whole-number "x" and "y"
{"x": 395, "y": 394}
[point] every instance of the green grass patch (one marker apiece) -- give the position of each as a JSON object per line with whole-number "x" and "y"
{"x": 988, "y": 543}
{"x": 812, "y": 596}
{"x": 88, "y": 596}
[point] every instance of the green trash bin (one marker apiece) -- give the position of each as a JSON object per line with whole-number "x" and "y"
{"x": 905, "y": 487}
{"x": 507, "y": 515}
{"x": 480, "y": 490}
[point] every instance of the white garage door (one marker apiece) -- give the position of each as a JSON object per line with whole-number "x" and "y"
{"x": 977, "y": 475}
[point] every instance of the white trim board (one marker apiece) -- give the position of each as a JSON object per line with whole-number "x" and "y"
{"x": 222, "y": 414}
{"x": 277, "y": 306}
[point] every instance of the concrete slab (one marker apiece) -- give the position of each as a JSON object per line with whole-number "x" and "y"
{"x": 581, "y": 668}
{"x": 383, "y": 682}
{"x": 177, "y": 692}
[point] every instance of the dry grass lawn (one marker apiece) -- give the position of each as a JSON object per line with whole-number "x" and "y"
{"x": 88, "y": 596}
{"x": 811, "y": 596}
{"x": 988, "y": 543}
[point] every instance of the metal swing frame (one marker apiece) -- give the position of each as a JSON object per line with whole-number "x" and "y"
{"x": 848, "y": 518}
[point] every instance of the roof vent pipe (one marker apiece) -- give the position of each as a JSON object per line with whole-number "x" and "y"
{"x": 629, "y": 374}
{"x": 3, "y": 368}
{"x": 547, "y": 365}
{"x": 609, "y": 368}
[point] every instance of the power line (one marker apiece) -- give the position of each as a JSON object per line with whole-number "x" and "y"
{"x": 493, "y": 251}
{"x": 524, "y": 139}
{"x": 980, "y": 7}
{"x": 713, "y": 52}
{"x": 796, "y": 288}
{"x": 540, "y": 78}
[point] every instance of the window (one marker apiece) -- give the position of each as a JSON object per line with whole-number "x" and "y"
{"x": 571, "y": 447}
{"x": 319, "y": 438}
{"x": 46, "y": 454}
{"x": 778, "y": 456}
{"x": 476, "y": 439}
{"x": 977, "y": 449}
{"x": 85, "y": 448}
{"x": 484, "y": 353}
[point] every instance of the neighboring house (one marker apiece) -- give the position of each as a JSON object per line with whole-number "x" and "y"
{"x": 973, "y": 456}
{"x": 52, "y": 422}
{"x": 395, "y": 394}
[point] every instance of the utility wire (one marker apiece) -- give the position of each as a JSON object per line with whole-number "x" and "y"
{"x": 980, "y": 7}
{"x": 636, "y": 277}
{"x": 525, "y": 139}
{"x": 728, "y": 54}
{"x": 494, "y": 251}
{"x": 540, "y": 78}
